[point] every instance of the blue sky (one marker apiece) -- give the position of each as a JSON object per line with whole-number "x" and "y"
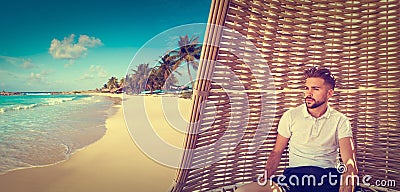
{"x": 64, "y": 45}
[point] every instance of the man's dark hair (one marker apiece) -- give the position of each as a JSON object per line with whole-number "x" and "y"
{"x": 321, "y": 73}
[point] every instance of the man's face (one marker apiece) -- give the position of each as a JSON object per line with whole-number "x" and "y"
{"x": 316, "y": 92}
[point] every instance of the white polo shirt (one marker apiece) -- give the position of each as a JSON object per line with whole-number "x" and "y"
{"x": 313, "y": 141}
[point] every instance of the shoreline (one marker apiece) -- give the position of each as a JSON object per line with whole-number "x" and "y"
{"x": 112, "y": 163}
{"x": 50, "y": 129}
{"x": 116, "y": 104}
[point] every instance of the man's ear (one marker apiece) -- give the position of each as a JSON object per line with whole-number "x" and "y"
{"x": 330, "y": 93}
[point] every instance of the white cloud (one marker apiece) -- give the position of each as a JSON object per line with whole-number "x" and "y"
{"x": 41, "y": 77}
{"x": 69, "y": 49}
{"x": 99, "y": 70}
{"x": 89, "y": 41}
{"x": 86, "y": 76}
{"x": 70, "y": 62}
{"x": 46, "y": 72}
{"x": 11, "y": 60}
{"x": 7, "y": 74}
{"x": 94, "y": 71}
{"x": 36, "y": 76}
{"x": 19, "y": 62}
{"x": 27, "y": 64}
{"x": 59, "y": 82}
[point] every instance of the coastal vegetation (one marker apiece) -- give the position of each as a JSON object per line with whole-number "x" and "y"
{"x": 161, "y": 78}
{"x": 164, "y": 76}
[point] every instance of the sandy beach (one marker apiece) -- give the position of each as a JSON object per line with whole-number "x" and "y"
{"x": 113, "y": 163}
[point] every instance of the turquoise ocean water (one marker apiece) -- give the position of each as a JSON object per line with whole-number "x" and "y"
{"x": 42, "y": 129}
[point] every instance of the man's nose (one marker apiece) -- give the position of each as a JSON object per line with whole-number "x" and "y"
{"x": 307, "y": 93}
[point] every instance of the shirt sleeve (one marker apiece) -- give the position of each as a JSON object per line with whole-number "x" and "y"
{"x": 284, "y": 125}
{"x": 344, "y": 129}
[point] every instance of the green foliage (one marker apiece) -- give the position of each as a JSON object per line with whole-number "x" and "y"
{"x": 112, "y": 83}
{"x": 163, "y": 75}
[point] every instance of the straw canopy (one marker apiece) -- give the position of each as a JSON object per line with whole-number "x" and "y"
{"x": 251, "y": 71}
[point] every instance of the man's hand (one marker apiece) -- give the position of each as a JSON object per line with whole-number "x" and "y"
{"x": 272, "y": 164}
{"x": 273, "y": 159}
{"x": 348, "y": 182}
{"x": 275, "y": 156}
{"x": 270, "y": 167}
{"x": 348, "y": 153}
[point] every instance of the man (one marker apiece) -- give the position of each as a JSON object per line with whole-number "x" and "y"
{"x": 314, "y": 132}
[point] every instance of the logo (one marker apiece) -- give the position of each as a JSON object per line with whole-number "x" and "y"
{"x": 341, "y": 167}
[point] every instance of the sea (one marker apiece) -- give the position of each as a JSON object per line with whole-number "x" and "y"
{"x": 38, "y": 129}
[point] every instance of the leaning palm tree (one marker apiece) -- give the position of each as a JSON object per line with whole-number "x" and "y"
{"x": 167, "y": 63}
{"x": 189, "y": 52}
{"x": 167, "y": 68}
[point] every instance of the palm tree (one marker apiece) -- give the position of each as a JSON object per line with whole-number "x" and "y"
{"x": 140, "y": 77}
{"x": 167, "y": 68}
{"x": 171, "y": 81}
{"x": 121, "y": 85}
{"x": 121, "y": 82}
{"x": 128, "y": 85}
{"x": 189, "y": 52}
{"x": 155, "y": 80}
{"x": 166, "y": 64}
{"x": 112, "y": 83}
{"x": 134, "y": 83}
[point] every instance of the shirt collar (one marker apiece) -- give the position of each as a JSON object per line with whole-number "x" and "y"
{"x": 327, "y": 113}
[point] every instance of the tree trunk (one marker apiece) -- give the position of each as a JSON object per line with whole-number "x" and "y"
{"x": 190, "y": 74}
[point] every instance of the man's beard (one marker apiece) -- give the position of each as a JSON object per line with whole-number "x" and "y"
{"x": 316, "y": 103}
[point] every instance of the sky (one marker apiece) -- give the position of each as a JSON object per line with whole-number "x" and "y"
{"x": 66, "y": 45}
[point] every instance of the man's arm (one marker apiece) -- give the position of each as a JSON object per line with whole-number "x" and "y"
{"x": 275, "y": 155}
{"x": 348, "y": 155}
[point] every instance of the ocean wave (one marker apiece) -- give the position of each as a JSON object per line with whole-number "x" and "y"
{"x": 37, "y": 94}
{"x": 17, "y": 108}
{"x": 55, "y": 101}
{"x": 44, "y": 102}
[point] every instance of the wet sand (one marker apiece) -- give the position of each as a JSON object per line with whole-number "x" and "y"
{"x": 113, "y": 163}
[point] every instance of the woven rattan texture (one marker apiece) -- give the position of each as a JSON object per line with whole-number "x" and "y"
{"x": 357, "y": 40}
